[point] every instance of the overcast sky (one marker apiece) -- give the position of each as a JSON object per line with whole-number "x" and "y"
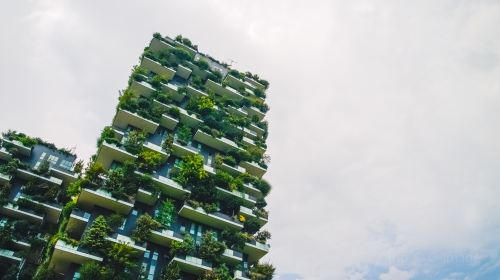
{"x": 384, "y": 121}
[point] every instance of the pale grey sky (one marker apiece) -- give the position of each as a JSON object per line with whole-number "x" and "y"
{"x": 384, "y": 132}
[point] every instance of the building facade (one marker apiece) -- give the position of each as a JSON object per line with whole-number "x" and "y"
{"x": 175, "y": 190}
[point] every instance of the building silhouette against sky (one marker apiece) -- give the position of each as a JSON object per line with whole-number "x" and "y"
{"x": 174, "y": 191}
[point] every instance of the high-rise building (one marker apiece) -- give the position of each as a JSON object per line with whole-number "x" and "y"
{"x": 175, "y": 190}
{"x": 34, "y": 175}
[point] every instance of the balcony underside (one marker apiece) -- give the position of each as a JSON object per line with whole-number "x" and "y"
{"x": 199, "y": 215}
{"x": 90, "y": 198}
{"x": 124, "y": 118}
{"x": 108, "y": 153}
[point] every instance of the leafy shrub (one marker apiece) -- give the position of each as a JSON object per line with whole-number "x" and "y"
{"x": 134, "y": 142}
{"x": 174, "y": 112}
{"x": 171, "y": 272}
{"x": 234, "y": 238}
{"x": 202, "y": 64}
{"x": 115, "y": 221}
{"x": 150, "y": 160}
{"x": 166, "y": 213}
{"x": 95, "y": 238}
{"x": 90, "y": 271}
{"x": 191, "y": 171}
{"x": 263, "y": 271}
{"x": 184, "y": 134}
{"x": 263, "y": 236}
{"x": 251, "y": 225}
{"x": 186, "y": 247}
{"x": 143, "y": 228}
{"x": 210, "y": 248}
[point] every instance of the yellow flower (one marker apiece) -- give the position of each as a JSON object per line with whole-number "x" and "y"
{"x": 242, "y": 218}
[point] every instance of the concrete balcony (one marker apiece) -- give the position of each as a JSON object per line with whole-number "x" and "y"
{"x": 221, "y": 144}
{"x": 4, "y": 178}
{"x": 156, "y": 67}
{"x": 203, "y": 74}
{"x": 110, "y": 152}
{"x": 247, "y": 199}
{"x": 188, "y": 119}
{"x": 249, "y": 133}
{"x": 254, "y": 169}
{"x": 254, "y": 111}
{"x": 192, "y": 265}
{"x": 227, "y": 92}
{"x": 169, "y": 187}
{"x": 89, "y": 198}
{"x": 66, "y": 175}
{"x": 21, "y": 149}
{"x": 173, "y": 91}
{"x": 125, "y": 118}
{"x": 65, "y": 254}
{"x": 190, "y": 50}
{"x": 155, "y": 148}
{"x": 233, "y": 257}
{"x": 168, "y": 122}
{"x": 233, "y": 170}
{"x": 237, "y": 83}
{"x": 14, "y": 211}
{"x": 52, "y": 211}
{"x": 9, "y": 256}
{"x": 183, "y": 72}
{"x": 147, "y": 197}
{"x": 216, "y": 219}
{"x": 236, "y": 111}
{"x": 255, "y": 250}
{"x": 260, "y": 132}
{"x": 28, "y": 175}
{"x": 192, "y": 92}
{"x": 77, "y": 223}
{"x": 251, "y": 190}
{"x": 158, "y": 45}
{"x": 123, "y": 239}
{"x": 249, "y": 142}
{"x": 164, "y": 237}
{"x": 181, "y": 151}
{"x": 209, "y": 169}
{"x": 239, "y": 275}
{"x": 141, "y": 88}
{"x": 4, "y": 154}
{"x": 255, "y": 83}
{"x": 248, "y": 213}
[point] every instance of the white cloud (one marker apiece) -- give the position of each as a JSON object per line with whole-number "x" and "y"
{"x": 396, "y": 274}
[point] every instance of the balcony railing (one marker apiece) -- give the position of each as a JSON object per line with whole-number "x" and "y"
{"x": 9, "y": 256}
{"x": 222, "y": 144}
{"x": 66, "y": 254}
{"x": 216, "y": 219}
{"x": 253, "y": 168}
{"x": 15, "y": 211}
{"x": 89, "y": 198}
{"x": 164, "y": 237}
{"x": 154, "y": 66}
{"x": 169, "y": 186}
{"x": 255, "y": 250}
{"x": 232, "y": 256}
{"x": 110, "y": 152}
{"x": 192, "y": 265}
{"x": 21, "y": 149}
{"x": 141, "y": 88}
{"x": 124, "y": 118}
{"x": 227, "y": 92}
{"x": 183, "y": 72}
